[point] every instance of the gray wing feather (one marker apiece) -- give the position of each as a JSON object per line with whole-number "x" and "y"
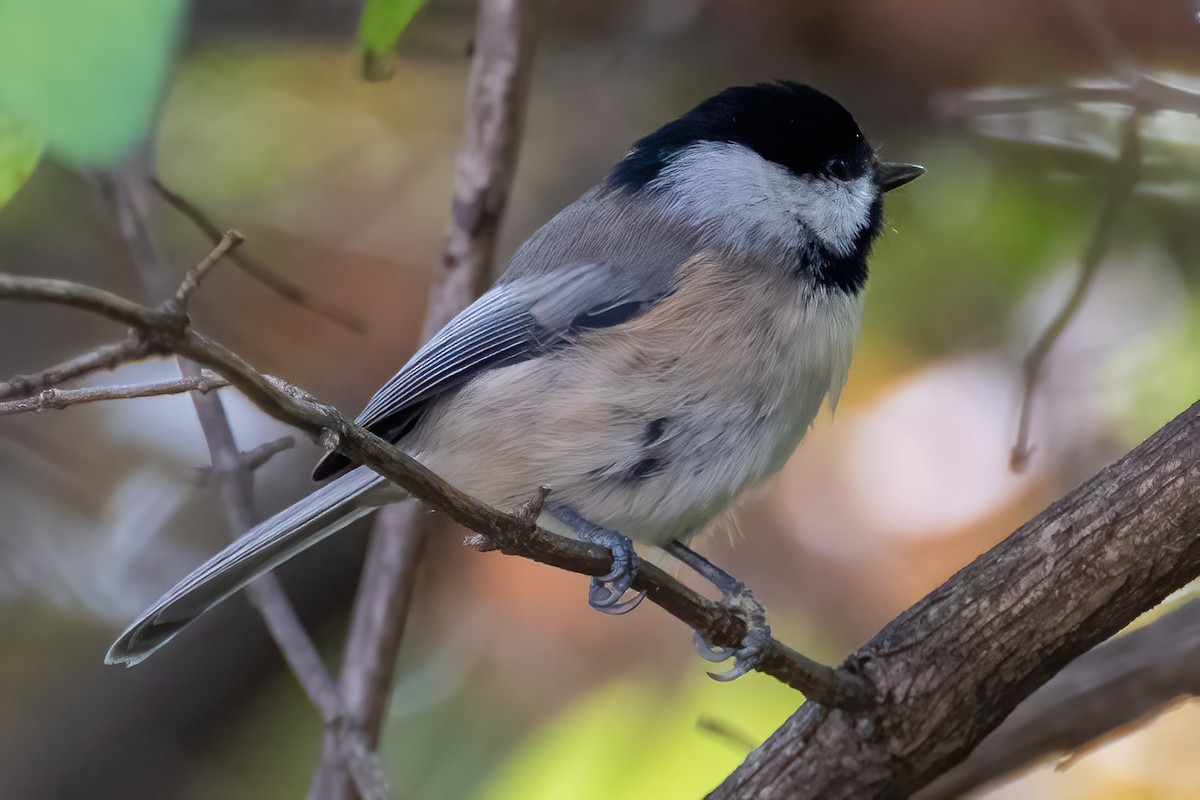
{"x": 496, "y": 325}
{"x": 259, "y": 550}
{"x": 596, "y": 256}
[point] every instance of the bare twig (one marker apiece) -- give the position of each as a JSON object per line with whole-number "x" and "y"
{"x": 89, "y": 298}
{"x": 267, "y": 596}
{"x": 1121, "y": 682}
{"x": 722, "y": 730}
{"x": 110, "y": 356}
{"x": 256, "y": 457}
{"x": 718, "y": 625}
{"x": 1149, "y": 95}
{"x": 1091, "y": 21}
{"x": 234, "y": 481}
{"x": 487, "y": 159}
{"x": 377, "y": 627}
{"x": 49, "y": 399}
{"x": 251, "y": 266}
{"x": 1121, "y": 184}
{"x": 191, "y": 281}
{"x": 500, "y": 74}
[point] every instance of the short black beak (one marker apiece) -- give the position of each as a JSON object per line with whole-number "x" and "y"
{"x": 890, "y": 176}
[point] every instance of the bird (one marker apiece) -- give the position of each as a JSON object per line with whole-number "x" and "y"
{"x": 650, "y": 354}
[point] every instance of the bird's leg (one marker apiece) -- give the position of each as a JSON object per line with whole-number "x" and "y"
{"x": 606, "y": 590}
{"x": 735, "y": 596}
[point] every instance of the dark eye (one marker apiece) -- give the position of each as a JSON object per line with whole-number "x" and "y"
{"x": 838, "y": 168}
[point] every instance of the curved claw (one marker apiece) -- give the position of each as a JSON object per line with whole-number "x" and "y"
{"x": 740, "y": 668}
{"x": 607, "y": 591}
{"x": 746, "y": 657}
{"x": 617, "y": 609}
{"x": 710, "y": 652}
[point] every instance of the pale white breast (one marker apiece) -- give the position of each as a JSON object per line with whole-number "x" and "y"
{"x": 654, "y": 427}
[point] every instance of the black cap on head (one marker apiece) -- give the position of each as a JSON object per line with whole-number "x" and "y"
{"x": 788, "y": 123}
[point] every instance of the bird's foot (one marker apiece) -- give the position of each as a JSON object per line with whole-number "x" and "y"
{"x": 754, "y": 644}
{"x": 606, "y": 592}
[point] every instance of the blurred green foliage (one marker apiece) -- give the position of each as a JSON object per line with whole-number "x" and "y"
{"x": 19, "y": 153}
{"x": 86, "y": 76}
{"x": 633, "y": 739}
{"x": 383, "y": 23}
{"x": 962, "y": 247}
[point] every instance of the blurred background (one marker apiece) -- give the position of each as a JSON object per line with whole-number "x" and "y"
{"x": 509, "y": 686}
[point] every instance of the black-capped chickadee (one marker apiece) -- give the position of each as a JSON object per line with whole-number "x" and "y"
{"x": 653, "y": 351}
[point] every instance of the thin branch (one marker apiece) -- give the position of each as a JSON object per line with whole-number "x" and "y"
{"x": 953, "y": 666}
{"x": 725, "y": 732}
{"x": 54, "y": 399}
{"x": 191, "y": 281}
{"x": 1121, "y": 185}
{"x": 256, "y": 457}
{"x": 109, "y": 356}
{"x": 1149, "y": 95}
{"x": 89, "y": 298}
{"x": 235, "y": 483}
{"x": 508, "y": 533}
{"x": 496, "y": 100}
{"x": 1091, "y": 21}
{"x": 940, "y": 676}
{"x": 251, "y": 266}
{"x": 267, "y": 596}
{"x": 377, "y": 628}
{"x": 1122, "y": 682}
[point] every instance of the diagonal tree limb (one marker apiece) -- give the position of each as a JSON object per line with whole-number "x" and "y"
{"x": 509, "y": 533}
{"x": 496, "y": 99}
{"x": 952, "y": 667}
{"x": 940, "y": 676}
{"x": 1122, "y": 682}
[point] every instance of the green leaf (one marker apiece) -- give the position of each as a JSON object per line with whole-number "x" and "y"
{"x": 19, "y": 153}
{"x": 663, "y": 743}
{"x": 383, "y": 23}
{"x": 86, "y": 75}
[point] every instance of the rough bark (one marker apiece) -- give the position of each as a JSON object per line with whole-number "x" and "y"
{"x": 1120, "y": 683}
{"x": 953, "y": 666}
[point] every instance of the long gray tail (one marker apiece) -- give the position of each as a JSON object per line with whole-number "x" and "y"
{"x": 259, "y": 550}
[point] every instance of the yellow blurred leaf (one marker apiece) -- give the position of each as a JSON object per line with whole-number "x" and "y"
{"x": 19, "y": 153}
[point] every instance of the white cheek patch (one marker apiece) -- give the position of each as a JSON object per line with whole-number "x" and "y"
{"x": 835, "y": 211}
{"x": 740, "y": 196}
{"x": 733, "y": 192}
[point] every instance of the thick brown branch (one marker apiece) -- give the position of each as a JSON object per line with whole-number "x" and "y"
{"x": 51, "y": 399}
{"x": 953, "y": 666}
{"x": 1120, "y": 683}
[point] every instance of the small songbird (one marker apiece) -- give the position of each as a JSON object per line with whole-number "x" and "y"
{"x": 653, "y": 351}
